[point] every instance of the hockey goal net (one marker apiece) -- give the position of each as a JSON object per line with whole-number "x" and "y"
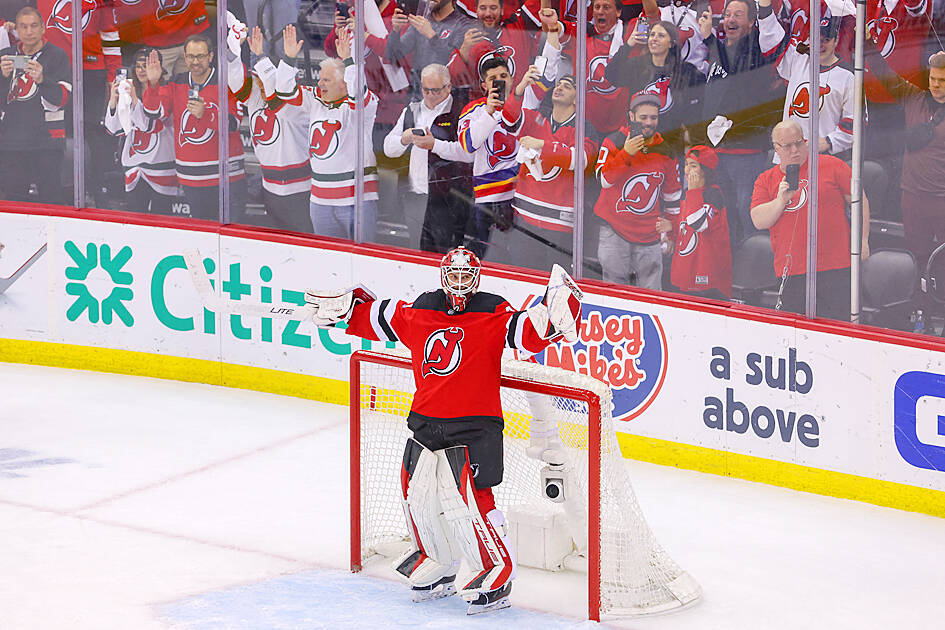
{"x": 628, "y": 571}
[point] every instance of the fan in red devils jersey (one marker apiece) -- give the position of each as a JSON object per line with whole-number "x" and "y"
{"x": 783, "y": 210}
{"x": 32, "y": 100}
{"x": 191, "y": 100}
{"x": 456, "y": 336}
{"x": 492, "y": 37}
{"x": 639, "y": 184}
{"x": 544, "y": 191}
{"x": 147, "y": 151}
{"x": 702, "y": 258}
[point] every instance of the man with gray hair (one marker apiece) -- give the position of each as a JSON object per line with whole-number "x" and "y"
{"x": 780, "y": 205}
{"x": 436, "y": 215}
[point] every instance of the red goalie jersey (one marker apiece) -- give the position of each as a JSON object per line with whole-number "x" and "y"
{"x": 457, "y": 358}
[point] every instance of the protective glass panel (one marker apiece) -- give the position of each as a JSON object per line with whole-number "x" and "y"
{"x": 36, "y": 83}
{"x": 152, "y": 116}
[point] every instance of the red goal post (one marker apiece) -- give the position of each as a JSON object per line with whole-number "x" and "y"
{"x": 633, "y": 579}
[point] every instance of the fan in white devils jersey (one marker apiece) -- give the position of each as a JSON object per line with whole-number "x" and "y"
{"x": 835, "y": 94}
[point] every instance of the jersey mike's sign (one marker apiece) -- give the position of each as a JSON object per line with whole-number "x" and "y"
{"x": 625, "y": 349}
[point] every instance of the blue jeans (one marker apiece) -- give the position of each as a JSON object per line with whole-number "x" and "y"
{"x": 338, "y": 221}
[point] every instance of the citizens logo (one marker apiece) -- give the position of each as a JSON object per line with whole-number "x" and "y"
{"x": 625, "y": 349}
{"x": 85, "y": 285}
{"x": 919, "y": 419}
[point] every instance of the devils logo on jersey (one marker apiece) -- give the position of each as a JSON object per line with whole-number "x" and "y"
{"x": 799, "y": 29}
{"x": 167, "y": 8}
{"x": 195, "y": 130}
{"x": 265, "y": 126}
{"x": 801, "y": 198}
{"x": 61, "y": 15}
{"x": 685, "y": 34}
{"x": 142, "y": 142}
{"x": 596, "y": 82}
{"x": 23, "y": 89}
{"x": 442, "y": 352}
{"x": 641, "y": 193}
{"x": 503, "y": 52}
{"x": 688, "y": 238}
{"x": 325, "y": 139}
{"x": 800, "y": 103}
{"x": 884, "y": 30}
{"x": 661, "y": 88}
{"x": 501, "y": 147}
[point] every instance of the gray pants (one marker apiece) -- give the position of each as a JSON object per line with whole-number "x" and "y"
{"x": 271, "y": 16}
{"x": 338, "y": 221}
{"x": 620, "y": 257}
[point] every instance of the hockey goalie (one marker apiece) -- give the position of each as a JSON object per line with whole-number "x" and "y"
{"x": 456, "y": 336}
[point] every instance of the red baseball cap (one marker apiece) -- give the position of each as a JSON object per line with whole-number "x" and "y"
{"x": 705, "y": 156}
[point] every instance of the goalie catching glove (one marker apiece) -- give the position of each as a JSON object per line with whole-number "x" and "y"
{"x": 559, "y": 312}
{"x": 332, "y": 308}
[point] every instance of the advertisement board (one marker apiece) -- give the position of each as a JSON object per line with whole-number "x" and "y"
{"x": 723, "y": 390}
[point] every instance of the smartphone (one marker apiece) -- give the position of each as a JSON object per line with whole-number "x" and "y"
{"x": 343, "y": 9}
{"x": 410, "y": 7}
{"x": 121, "y": 74}
{"x": 792, "y": 173}
{"x": 193, "y": 94}
{"x": 418, "y": 132}
{"x": 20, "y": 61}
{"x": 643, "y": 27}
{"x": 541, "y": 63}
{"x": 636, "y": 129}
{"x": 499, "y": 86}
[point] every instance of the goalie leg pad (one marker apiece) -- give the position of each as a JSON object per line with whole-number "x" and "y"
{"x": 437, "y": 558}
{"x": 478, "y": 537}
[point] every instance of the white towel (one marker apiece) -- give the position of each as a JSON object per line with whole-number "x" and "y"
{"x": 717, "y": 128}
{"x": 123, "y": 110}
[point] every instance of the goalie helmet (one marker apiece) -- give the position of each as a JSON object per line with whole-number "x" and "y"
{"x": 459, "y": 276}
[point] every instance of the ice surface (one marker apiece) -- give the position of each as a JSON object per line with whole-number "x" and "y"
{"x": 128, "y": 502}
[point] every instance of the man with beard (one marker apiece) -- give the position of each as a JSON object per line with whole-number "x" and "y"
{"x": 191, "y": 100}
{"x": 639, "y": 185}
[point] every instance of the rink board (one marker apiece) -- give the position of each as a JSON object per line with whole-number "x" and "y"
{"x": 821, "y": 407}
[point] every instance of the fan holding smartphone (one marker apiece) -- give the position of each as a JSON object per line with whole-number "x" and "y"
{"x": 780, "y": 204}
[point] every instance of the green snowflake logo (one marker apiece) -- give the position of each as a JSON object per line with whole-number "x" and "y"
{"x": 113, "y": 304}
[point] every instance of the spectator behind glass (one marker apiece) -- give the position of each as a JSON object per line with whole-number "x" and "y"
{"x": 439, "y": 168}
{"x": 660, "y": 71}
{"x": 836, "y": 83}
{"x": 191, "y": 100}
{"x": 923, "y": 172}
{"x": 491, "y": 37}
{"x": 279, "y": 132}
{"x": 783, "y": 211}
{"x": 430, "y": 39}
{"x": 162, "y": 25}
{"x": 32, "y": 103}
{"x": 744, "y": 90}
{"x": 494, "y": 149}
{"x": 147, "y": 150}
{"x": 691, "y": 46}
{"x": 606, "y": 104}
{"x": 101, "y": 58}
{"x": 333, "y": 144}
{"x": 702, "y": 256}
{"x": 639, "y": 186}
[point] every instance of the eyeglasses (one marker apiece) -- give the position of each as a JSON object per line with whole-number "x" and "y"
{"x": 790, "y": 145}
{"x": 434, "y": 91}
{"x": 196, "y": 57}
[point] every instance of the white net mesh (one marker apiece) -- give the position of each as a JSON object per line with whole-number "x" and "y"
{"x": 637, "y": 575}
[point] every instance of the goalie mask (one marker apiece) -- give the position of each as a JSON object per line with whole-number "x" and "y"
{"x": 459, "y": 276}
